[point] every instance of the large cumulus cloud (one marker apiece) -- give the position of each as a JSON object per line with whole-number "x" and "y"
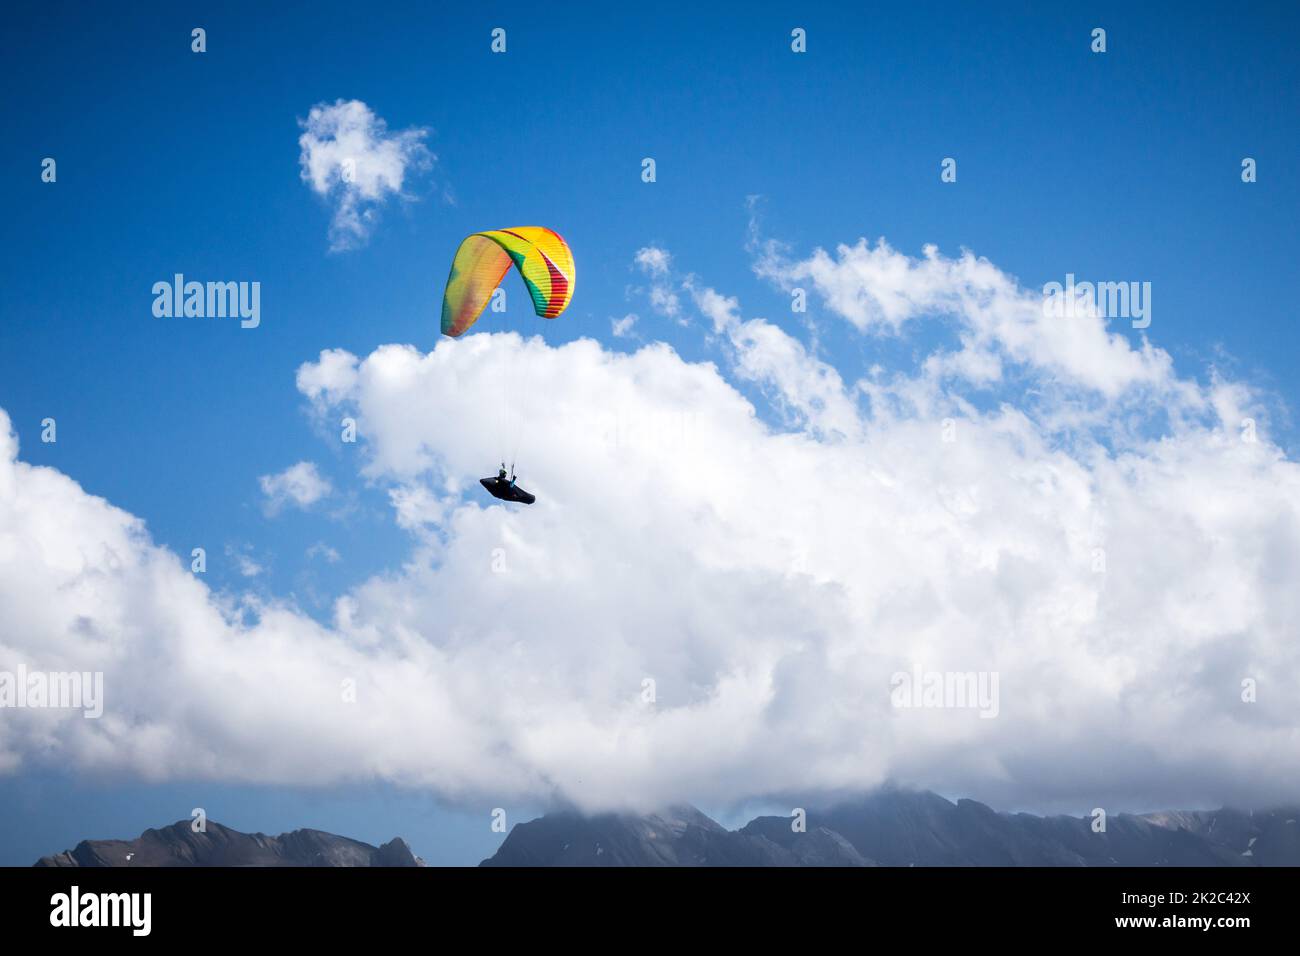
{"x": 761, "y": 572}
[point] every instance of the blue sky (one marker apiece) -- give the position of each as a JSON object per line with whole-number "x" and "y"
{"x": 1118, "y": 166}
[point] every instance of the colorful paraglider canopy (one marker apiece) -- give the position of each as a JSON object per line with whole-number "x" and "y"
{"x": 482, "y": 261}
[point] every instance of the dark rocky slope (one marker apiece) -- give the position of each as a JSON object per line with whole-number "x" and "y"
{"x": 179, "y": 845}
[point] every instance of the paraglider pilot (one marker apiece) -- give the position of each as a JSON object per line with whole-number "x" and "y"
{"x": 503, "y": 486}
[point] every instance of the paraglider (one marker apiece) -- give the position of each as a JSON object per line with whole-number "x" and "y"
{"x": 545, "y": 262}
{"x": 505, "y": 488}
{"x": 482, "y": 261}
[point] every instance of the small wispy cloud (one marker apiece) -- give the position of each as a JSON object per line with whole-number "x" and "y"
{"x": 654, "y": 260}
{"x": 656, "y": 263}
{"x": 622, "y": 328}
{"x": 350, "y": 158}
{"x": 300, "y": 485}
{"x": 244, "y": 562}
{"x": 322, "y": 550}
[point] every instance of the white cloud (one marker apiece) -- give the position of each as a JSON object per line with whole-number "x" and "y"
{"x": 656, "y": 263}
{"x": 416, "y": 507}
{"x": 245, "y": 563}
{"x": 300, "y": 485}
{"x": 653, "y": 260}
{"x": 327, "y": 380}
{"x": 877, "y": 288}
{"x": 349, "y": 156}
{"x": 665, "y": 301}
{"x": 808, "y": 390}
{"x": 769, "y": 580}
{"x": 324, "y": 551}
{"x": 622, "y": 328}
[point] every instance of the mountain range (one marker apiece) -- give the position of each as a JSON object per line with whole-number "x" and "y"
{"x": 886, "y": 828}
{"x": 907, "y": 828}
